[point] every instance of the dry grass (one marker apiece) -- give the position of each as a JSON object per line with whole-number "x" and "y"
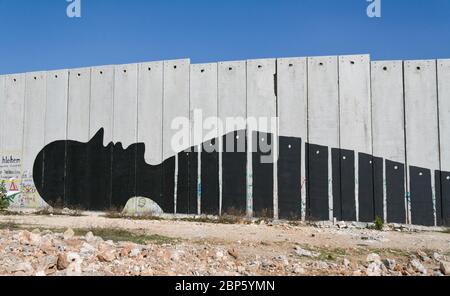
{"x": 59, "y": 212}
{"x": 120, "y": 235}
{"x": 113, "y": 234}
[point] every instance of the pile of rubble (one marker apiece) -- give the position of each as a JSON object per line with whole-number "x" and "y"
{"x": 45, "y": 253}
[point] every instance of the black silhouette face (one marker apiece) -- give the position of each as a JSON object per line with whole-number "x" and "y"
{"x": 91, "y": 176}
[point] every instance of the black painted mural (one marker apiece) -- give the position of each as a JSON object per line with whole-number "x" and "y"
{"x": 94, "y": 177}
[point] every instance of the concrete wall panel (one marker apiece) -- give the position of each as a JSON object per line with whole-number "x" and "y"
{"x": 293, "y": 125}
{"x": 150, "y": 110}
{"x": 356, "y": 124}
{"x": 176, "y": 104}
{"x": 421, "y": 114}
{"x": 101, "y": 112}
{"x": 56, "y": 106}
{"x": 34, "y": 134}
{"x": 388, "y": 125}
{"x": 54, "y": 157}
{"x": 124, "y": 133}
{"x": 323, "y": 129}
{"x": 78, "y": 163}
{"x": 125, "y": 104}
{"x": 203, "y": 97}
{"x": 2, "y": 102}
{"x": 444, "y": 112}
{"x": 355, "y": 107}
{"x": 232, "y": 104}
{"x": 176, "y": 128}
{"x": 79, "y": 105}
{"x": 12, "y": 95}
{"x": 444, "y": 129}
{"x": 262, "y": 107}
{"x": 422, "y": 139}
{"x": 12, "y": 106}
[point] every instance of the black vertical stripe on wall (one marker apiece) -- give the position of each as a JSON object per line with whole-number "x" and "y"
{"x": 378, "y": 194}
{"x": 210, "y": 199}
{"x": 438, "y": 197}
{"x": 53, "y": 173}
{"x": 77, "y": 183}
{"x": 183, "y": 183}
{"x": 421, "y": 196}
{"x": 289, "y": 178}
{"x": 99, "y": 172}
{"x": 366, "y": 188}
{"x": 336, "y": 176}
{"x": 262, "y": 175}
{"x": 123, "y": 174}
{"x": 234, "y": 176}
{"x": 317, "y": 204}
{"x": 395, "y": 192}
{"x": 347, "y": 160}
{"x": 149, "y": 179}
{"x": 168, "y": 204}
{"x": 193, "y": 183}
{"x": 445, "y": 198}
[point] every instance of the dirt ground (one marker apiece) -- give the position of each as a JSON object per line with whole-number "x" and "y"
{"x": 262, "y": 248}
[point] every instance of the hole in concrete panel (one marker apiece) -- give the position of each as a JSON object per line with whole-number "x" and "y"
{"x": 418, "y": 68}
{"x": 124, "y": 70}
{"x": 352, "y": 62}
{"x": 175, "y": 66}
{"x": 202, "y": 70}
{"x": 230, "y": 68}
{"x": 385, "y": 68}
{"x": 79, "y": 74}
{"x": 101, "y": 72}
{"x": 291, "y": 65}
{"x": 259, "y": 66}
{"x": 320, "y": 64}
{"x": 14, "y": 79}
{"x": 149, "y": 68}
{"x": 34, "y": 77}
{"x": 56, "y": 76}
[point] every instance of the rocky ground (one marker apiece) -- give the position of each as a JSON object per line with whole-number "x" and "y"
{"x": 94, "y": 245}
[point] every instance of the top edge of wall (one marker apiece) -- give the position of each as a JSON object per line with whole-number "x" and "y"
{"x": 364, "y": 56}
{"x": 419, "y": 61}
{"x": 385, "y": 61}
{"x": 188, "y": 61}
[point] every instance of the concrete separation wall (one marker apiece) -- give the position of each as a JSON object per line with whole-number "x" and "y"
{"x": 293, "y": 138}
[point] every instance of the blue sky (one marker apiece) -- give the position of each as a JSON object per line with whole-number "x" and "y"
{"x": 37, "y": 34}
